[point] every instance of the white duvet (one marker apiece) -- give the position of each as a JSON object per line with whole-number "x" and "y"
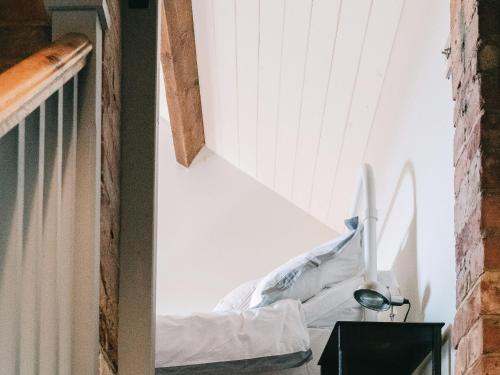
{"x": 319, "y": 338}
{"x": 274, "y": 330}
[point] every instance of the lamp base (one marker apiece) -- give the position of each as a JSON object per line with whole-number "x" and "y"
{"x": 370, "y": 315}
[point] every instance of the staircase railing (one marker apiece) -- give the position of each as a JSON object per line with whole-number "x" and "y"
{"x": 50, "y": 134}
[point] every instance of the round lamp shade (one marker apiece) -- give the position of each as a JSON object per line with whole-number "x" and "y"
{"x": 373, "y": 296}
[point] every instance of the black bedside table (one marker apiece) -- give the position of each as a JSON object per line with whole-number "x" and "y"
{"x": 377, "y": 348}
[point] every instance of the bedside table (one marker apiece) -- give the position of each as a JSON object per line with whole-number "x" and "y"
{"x": 380, "y": 348}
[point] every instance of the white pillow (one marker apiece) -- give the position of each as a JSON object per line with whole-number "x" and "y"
{"x": 238, "y": 298}
{"x": 304, "y": 276}
{"x": 337, "y": 303}
{"x": 333, "y": 304}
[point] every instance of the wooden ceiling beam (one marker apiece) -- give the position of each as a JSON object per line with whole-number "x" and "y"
{"x": 180, "y": 69}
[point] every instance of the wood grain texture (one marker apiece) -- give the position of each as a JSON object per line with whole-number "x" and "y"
{"x": 110, "y": 192}
{"x": 205, "y": 59}
{"x": 27, "y": 84}
{"x": 178, "y": 57}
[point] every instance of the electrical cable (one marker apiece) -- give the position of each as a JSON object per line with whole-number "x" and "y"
{"x": 407, "y": 311}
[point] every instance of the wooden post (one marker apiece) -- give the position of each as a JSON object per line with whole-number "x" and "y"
{"x": 180, "y": 69}
{"x": 90, "y": 19}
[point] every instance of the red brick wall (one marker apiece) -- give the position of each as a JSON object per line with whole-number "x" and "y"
{"x": 475, "y": 55}
{"x": 24, "y": 29}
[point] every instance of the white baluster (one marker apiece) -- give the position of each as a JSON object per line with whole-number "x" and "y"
{"x": 33, "y": 221}
{"x": 68, "y": 17}
{"x": 9, "y": 252}
{"x": 51, "y": 237}
{"x": 67, "y": 248}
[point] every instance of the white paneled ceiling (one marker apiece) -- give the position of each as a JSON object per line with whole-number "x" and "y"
{"x": 290, "y": 89}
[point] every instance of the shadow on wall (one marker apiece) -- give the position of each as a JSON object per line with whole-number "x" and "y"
{"x": 401, "y": 220}
{"x": 404, "y": 263}
{"x": 447, "y": 364}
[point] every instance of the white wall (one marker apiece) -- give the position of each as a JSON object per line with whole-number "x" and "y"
{"x": 407, "y": 136}
{"x": 162, "y": 102}
{"x": 297, "y": 93}
{"x": 411, "y": 149}
{"x": 217, "y": 228}
{"x": 290, "y": 89}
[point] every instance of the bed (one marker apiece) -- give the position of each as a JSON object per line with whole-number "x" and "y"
{"x": 279, "y": 324}
{"x": 319, "y": 338}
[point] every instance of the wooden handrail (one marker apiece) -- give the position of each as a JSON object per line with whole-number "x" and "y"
{"x": 27, "y": 84}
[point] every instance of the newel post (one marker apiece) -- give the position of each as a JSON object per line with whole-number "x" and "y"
{"x": 89, "y": 17}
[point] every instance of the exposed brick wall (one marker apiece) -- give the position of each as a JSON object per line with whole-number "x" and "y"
{"x": 475, "y": 55}
{"x": 24, "y": 29}
{"x": 110, "y": 193}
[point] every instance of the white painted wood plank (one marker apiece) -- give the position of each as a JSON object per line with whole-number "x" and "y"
{"x": 40, "y": 227}
{"x": 380, "y": 36}
{"x": 9, "y": 257}
{"x": 349, "y": 43}
{"x": 51, "y": 241}
{"x": 271, "y": 40}
{"x": 295, "y": 46}
{"x": 205, "y": 54}
{"x": 322, "y": 38}
{"x": 33, "y": 210}
{"x": 21, "y": 157}
{"x": 226, "y": 80}
{"x": 85, "y": 333}
{"x": 247, "y": 57}
{"x": 11, "y": 247}
{"x": 20, "y": 196}
{"x": 67, "y": 249}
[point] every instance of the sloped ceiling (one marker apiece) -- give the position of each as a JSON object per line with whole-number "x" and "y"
{"x": 290, "y": 89}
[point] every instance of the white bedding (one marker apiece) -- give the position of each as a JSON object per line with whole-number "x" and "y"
{"x": 223, "y": 337}
{"x": 319, "y": 337}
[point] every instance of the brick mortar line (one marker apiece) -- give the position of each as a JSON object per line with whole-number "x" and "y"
{"x": 465, "y": 299}
{"x": 477, "y": 206}
{"x": 478, "y": 359}
{"x": 483, "y": 192}
{"x": 468, "y": 137}
{"x": 485, "y": 234}
{"x": 459, "y": 307}
{"x": 472, "y": 288}
{"x": 476, "y": 283}
{"x": 474, "y": 322}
